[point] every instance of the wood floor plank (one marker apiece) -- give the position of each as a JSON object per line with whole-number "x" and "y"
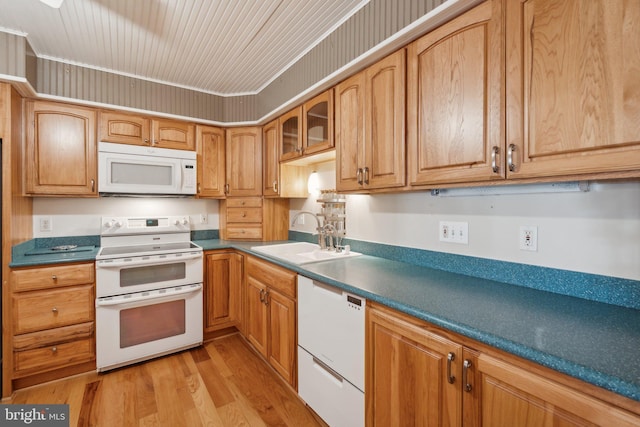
{"x": 223, "y": 383}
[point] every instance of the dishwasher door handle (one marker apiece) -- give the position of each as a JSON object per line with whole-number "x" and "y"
{"x": 327, "y": 369}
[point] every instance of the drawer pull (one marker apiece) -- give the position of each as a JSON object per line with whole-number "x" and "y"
{"x": 244, "y": 215}
{"x": 450, "y": 357}
{"x": 54, "y": 310}
{"x": 54, "y": 349}
{"x": 54, "y": 277}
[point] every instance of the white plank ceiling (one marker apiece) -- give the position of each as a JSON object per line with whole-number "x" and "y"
{"x": 224, "y": 47}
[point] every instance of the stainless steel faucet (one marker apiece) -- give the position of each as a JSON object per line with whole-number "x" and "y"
{"x": 321, "y": 234}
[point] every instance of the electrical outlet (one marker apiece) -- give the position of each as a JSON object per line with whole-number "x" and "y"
{"x": 45, "y": 224}
{"x": 529, "y": 238}
{"x": 203, "y": 218}
{"x": 454, "y": 232}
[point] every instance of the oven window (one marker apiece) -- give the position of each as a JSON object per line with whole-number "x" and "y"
{"x": 141, "y": 325}
{"x": 136, "y": 173}
{"x": 157, "y": 273}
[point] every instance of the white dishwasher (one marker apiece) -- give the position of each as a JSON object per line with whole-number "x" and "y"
{"x": 331, "y": 327}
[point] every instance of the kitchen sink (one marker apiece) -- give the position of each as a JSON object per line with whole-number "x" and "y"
{"x": 302, "y": 253}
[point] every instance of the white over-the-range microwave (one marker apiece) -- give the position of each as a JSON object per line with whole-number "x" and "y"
{"x": 137, "y": 170}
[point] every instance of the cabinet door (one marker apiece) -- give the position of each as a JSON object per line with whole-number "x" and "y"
{"x": 256, "y": 315}
{"x": 60, "y": 156}
{"x": 350, "y": 136}
{"x": 455, "y": 100}
{"x": 211, "y": 161}
{"x": 244, "y": 162}
{"x": 573, "y": 87}
{"x": 291, "y": 134}
{"x": 173, "y": 134}
{"x": 282, "y": 335}
{"x": 271, "y": 159}
{"x": 413, "y": 375}
{"x": 124, "y": 128}
{"x": 318, "y": 123}
{"x": 222, "y": 290}
{"x": 384, "y": 154}
{"x": 512, "y": 396}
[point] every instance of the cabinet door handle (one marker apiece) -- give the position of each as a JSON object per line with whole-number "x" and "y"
{"x": 510, "y": 163}
{"x": 494, "y": 162}
{"x": 275, "y": 186}
{"x": 266, "y": 298}
{"x": 262, "y": 296}
{"x": 465, "y": 374}
{"x": 199, "y": 188}
{"x": 226, "y": 189}
{"x": 450, "y": 358}
{"x": 359, "y": 176}
{"x": 93, "y": 185}
{"x": 146, "y": 141}
{"x": 366, "y": 175}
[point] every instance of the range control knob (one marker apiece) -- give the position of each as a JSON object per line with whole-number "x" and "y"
{"x": 109, "y": 224}
{"x": 185, "y": 221}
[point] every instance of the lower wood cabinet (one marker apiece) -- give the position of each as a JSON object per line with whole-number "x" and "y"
{"x": 418, "y": 374}
{"x": 53, "y": 317}
{"x": 222, "y": 290}
{"x": 270, "y": 324}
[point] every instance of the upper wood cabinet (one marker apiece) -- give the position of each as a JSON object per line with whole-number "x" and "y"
{"x": 370, "y": 127}
{"x": 126, "y": 128}
{"x": 271, "y": 159}
{"x": 291, "y": 134}
{"x": 573, "y": 87}
{"x": 317, "y": 126}
{"x": 244, "y": 162}
{"x": 455, "y": 100}
{"x": 210, "y": 147}
{"x": 60, "y": 158}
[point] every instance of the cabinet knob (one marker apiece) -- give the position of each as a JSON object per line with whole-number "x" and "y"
{"x": 54, "y": 310}
{"x": 54, "y": 277}
{"x": 244, "y": 215}
{"x": 54, "y": 349}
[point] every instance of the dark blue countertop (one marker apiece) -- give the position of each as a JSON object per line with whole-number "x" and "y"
{"x": 589, "y": 340}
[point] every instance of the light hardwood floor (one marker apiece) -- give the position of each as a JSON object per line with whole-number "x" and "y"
{"x": 223, "y": 383}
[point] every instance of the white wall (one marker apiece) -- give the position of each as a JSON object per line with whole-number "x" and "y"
{"x": 593, "y": 232}
{"x": 81, "y": 217}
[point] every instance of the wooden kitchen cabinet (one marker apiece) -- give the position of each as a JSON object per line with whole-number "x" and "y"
{"x": 408, "y": 371}
{"x": 270, "y": 324}
{"x": 317, "y": 123}
{"x": 407, "y": 382}
{"x": 573, "y": 87}
{"x": 254, "y": 218}
{"x": 455, "y": 100}
{"x": 223, "y": 283}
{"x": 370, "y": 127}
{"x": 60, "y": 154}
{"x": 291, "y": 136}
{"x": 271, "y": 159}
{"x": 211, "y": 161}
{"x": 244, "y": 162}
{"x": 53, "y": 321}
{"x": 125, "y": 128}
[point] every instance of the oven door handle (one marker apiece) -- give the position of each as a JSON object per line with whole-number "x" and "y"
{"x": 105, "y": 303}
{"x": 118, "y": 264}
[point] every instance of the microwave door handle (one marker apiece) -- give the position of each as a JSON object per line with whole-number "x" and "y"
{"x": 172, "y": 295}
{"x": 118, "y": 264}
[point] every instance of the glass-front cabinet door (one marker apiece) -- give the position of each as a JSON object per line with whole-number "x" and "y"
{"x": 318, "y": 123}
{"x": 291, "y": 134}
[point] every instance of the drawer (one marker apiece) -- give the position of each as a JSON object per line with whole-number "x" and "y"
{"x": 278, "y": 278}
{"x": 49, "y": 277}
{"x": 50, "y": 337}
{"x": 53, "y": 356}
{"x": 244, "y": 215}
{"x": 38, "y": 310}
{"x": 336, "y": 400}
{"x": 244, "y": 231}
{"x": 244, "y": 202}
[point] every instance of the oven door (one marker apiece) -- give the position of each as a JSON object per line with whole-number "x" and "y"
{"x": 146, "y": 273}
{"x": 135, "y": 327}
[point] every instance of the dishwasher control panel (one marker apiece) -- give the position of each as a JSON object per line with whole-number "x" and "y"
{"x": 354, "y": 302}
